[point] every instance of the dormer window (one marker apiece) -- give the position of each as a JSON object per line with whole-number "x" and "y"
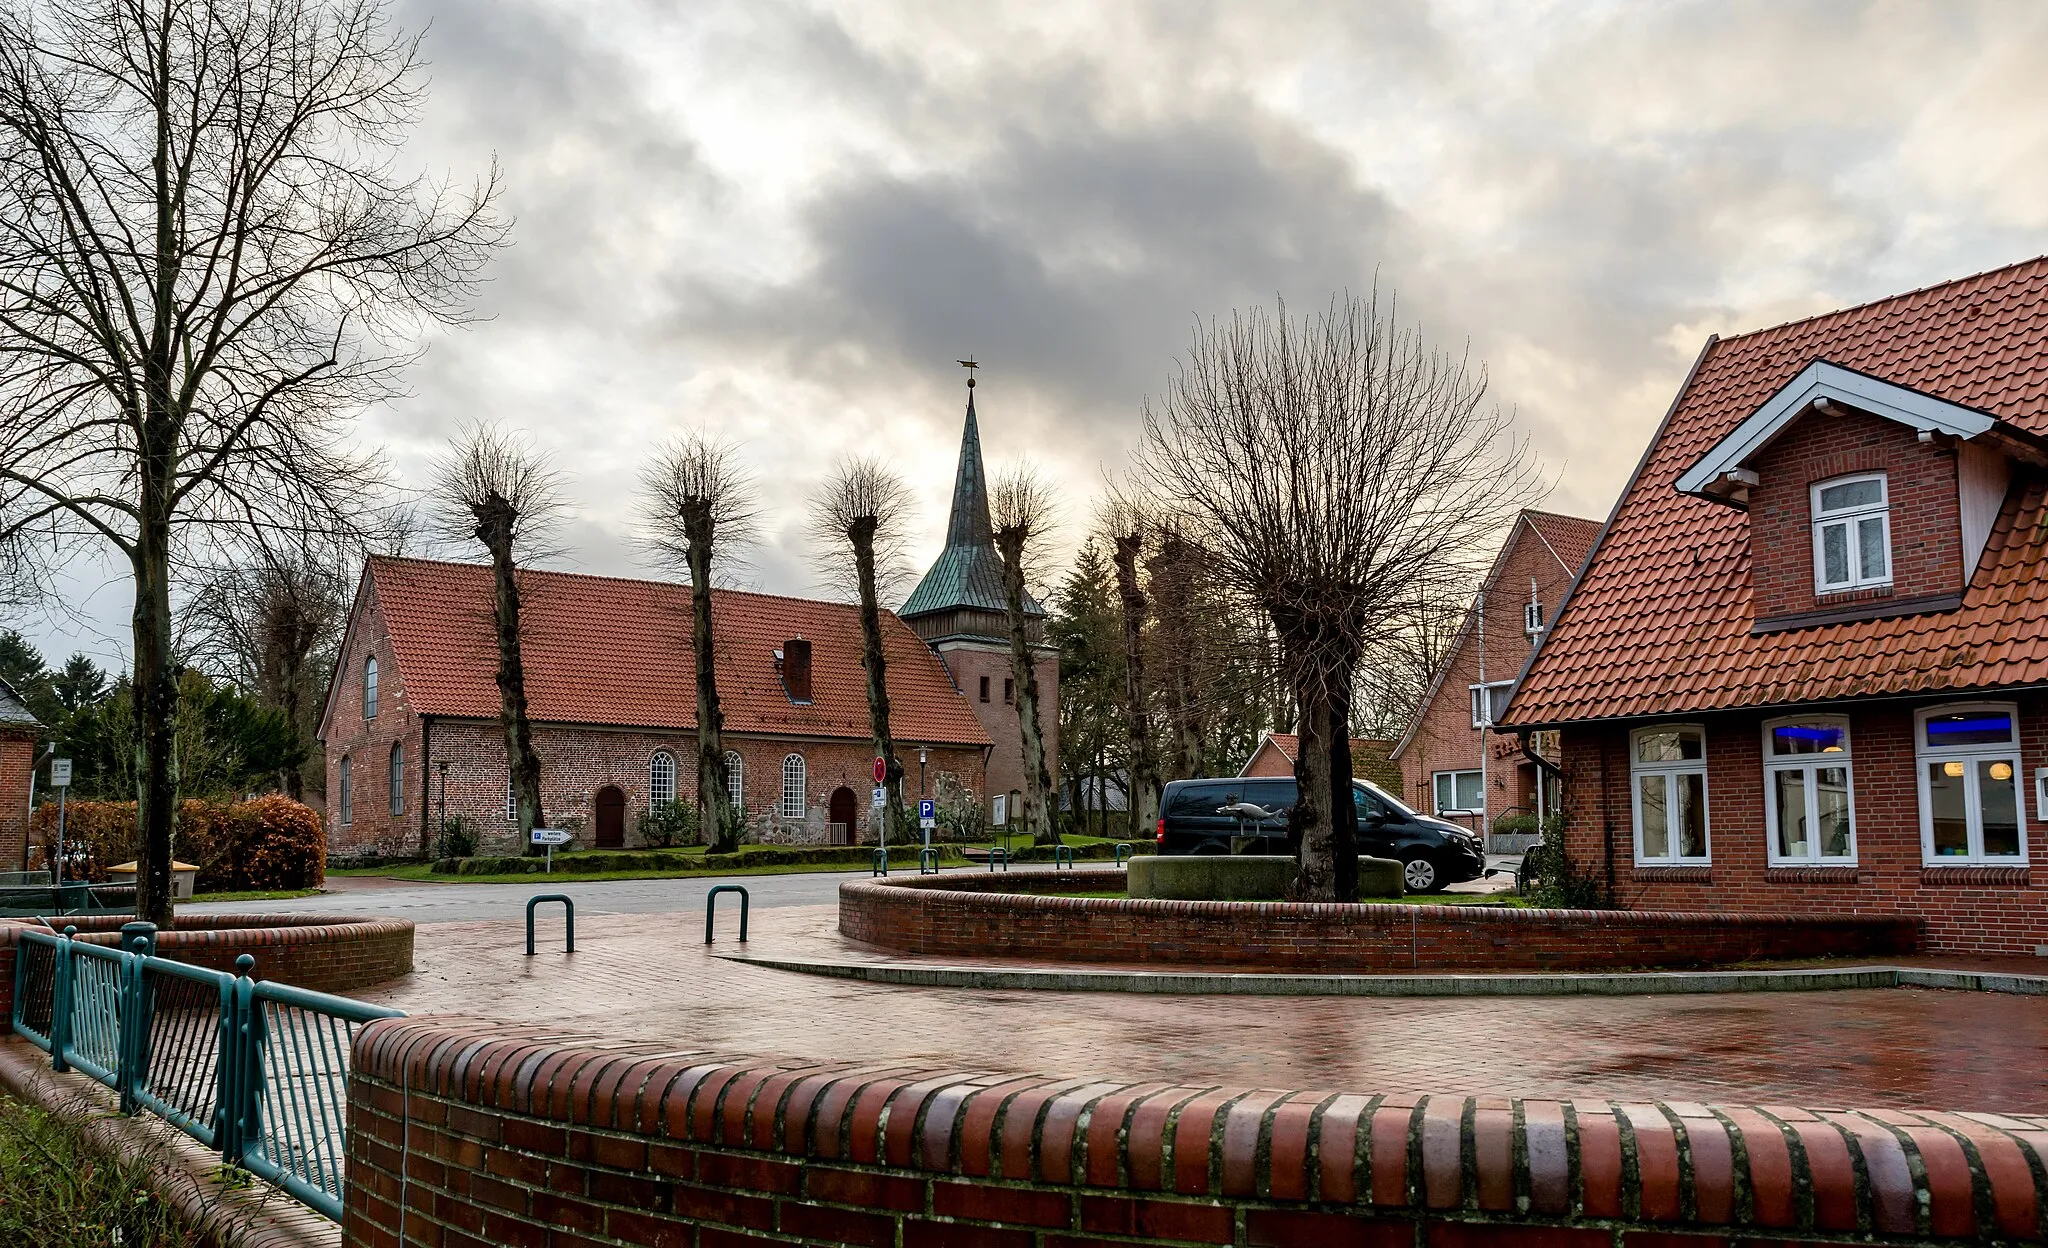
{"x": 1852, "y": 534}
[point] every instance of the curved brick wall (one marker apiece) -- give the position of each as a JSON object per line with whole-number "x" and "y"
{"x": 326, "y": 953}
{"x": 980, "y": 915}
{"x": 472, "y": 1133}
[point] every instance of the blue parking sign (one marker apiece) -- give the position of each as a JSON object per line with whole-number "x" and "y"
{"x": 927, "y": 812}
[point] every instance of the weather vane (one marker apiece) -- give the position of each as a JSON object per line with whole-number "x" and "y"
{"x": 970, "y": 365}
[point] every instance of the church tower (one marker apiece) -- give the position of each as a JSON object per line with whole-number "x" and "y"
{"x": 958, "y": 609}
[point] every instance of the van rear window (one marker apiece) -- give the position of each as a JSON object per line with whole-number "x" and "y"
{"x": 1202, "y": 799}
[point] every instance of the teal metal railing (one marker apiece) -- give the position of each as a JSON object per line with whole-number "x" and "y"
{"x": 257, "y": 1071}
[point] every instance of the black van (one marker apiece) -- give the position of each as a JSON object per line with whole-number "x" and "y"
{"x": 1194, "y": 818}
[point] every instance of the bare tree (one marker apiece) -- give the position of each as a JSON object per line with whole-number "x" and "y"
{"x": 271, "y": 626}
{"x": 1177, "y": 574}
{"x": 206, "y": 263}
{"x": 494, "y": 488}
{"x": 1022, "y": 512}
{"x": 1329, "y": 466}
{"x": 1128, "y": 527}
{"x": 859, "y": 522}
{"x": 700, "y": 509}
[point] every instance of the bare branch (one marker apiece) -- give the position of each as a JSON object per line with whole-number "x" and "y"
{"x": 863, "y": 503}
{"x": 695, "y": 489}
{"x": 494, "y": 486}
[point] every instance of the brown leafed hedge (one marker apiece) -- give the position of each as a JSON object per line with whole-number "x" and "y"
{"x": 269, "y": 842}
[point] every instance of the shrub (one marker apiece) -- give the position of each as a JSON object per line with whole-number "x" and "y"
{"x": 269, "y": 842}
{"x": 667, "y": 824}
{"x": 457, "y": 841}
{"x": 1551, "y": 876}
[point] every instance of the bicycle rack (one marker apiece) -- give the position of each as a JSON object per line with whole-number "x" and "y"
{"x": 1123, "y": 853}
{"x": 568, "y": 916}
{"x": 927, "y": 862}
{"x": 1062, "y": 854}
{"x": 998, "y": 851}
{"x": 878, "y": 862}
{"x": 711, "y": 909}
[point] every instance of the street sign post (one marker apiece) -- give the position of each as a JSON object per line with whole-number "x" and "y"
{"x": 927, "y": 818}
{"x": 60, "y": 779}
{"x": 552, "y": 837}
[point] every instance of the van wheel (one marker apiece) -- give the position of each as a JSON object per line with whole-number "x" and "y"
{"x": 1210, "y": 849}
{"x": 1419, "y": 875}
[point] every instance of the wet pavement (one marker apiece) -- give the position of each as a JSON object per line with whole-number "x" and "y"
{"x": 636, "y": 978}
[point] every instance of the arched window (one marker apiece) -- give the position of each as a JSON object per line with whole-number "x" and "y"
{"x": 793, "y": 804}
{"x": 661, "y": 778}
{"x": 370, "y": 687}
{"x": 397, "y": 778}
{"x": 348, "y": 806}
{"x": 735, "y": 782}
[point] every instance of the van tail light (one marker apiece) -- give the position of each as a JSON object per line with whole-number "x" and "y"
{"x": 1162, "y": 831}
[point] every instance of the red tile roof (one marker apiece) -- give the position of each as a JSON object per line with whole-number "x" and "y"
{"x": 1659, "y": 623}
{"x": 603, "y": 650}
{"x": 1289, "y": 745}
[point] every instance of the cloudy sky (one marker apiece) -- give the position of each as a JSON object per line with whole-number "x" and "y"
{"x": 786, "y": 221}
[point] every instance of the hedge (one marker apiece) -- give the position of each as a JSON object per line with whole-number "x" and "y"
{"x": 592, "y": 862}
{"x": 269, "y": 842}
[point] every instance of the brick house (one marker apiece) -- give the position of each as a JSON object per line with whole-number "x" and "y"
{"x": 1803, "y": 669}
{"x": 411, "y": 723}
{"x": 18, "y": 731}
{"x": 1451, "y": 766}
{"x": 1277, "y": 751}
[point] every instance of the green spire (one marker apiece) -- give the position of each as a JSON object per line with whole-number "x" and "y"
{"x": 968, "y": 574}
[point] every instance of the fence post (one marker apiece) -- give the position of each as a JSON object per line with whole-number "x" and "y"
{"x": 60, "y": 1002}
{"x": 131, "y": 1054}
{"x": 239, "y": 1096}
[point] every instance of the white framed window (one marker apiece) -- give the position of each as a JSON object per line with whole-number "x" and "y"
{"x": 1460, "y": 792}
{"x": 1532, "y": 618}
{"x": 511, "y": 799}
{"x": 793, "y": 804}
{"x": 1488, "y": 710}
{"x": 1809, "y": 805}
{"x": 370, "y": 687}
{"x": 395, "y": 779}
{"x": 1668, "y": 774}
{"x": 661, "y": 778}
{"x": 348, "y": 805}
{"x": 1969, "y": 765}
{"x": 735, "y": 780}
{"x": 1852, "y": 533}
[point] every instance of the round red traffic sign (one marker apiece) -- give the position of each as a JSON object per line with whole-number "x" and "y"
{"x": 881, "y": 769}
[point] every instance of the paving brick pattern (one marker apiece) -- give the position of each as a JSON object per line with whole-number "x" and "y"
{"x": 471, "y": 1133}
{"x": 650, "y": 978}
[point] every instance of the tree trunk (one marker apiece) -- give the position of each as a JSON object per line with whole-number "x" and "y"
{"x": 521, "y": 759}
{"x": 1142, "y": 789}
{"x": 874, "y": 663}
{"x": 154, "y": 695}
{"x": 1024, "y": 674}
{"x": 292, "y": 779}
{"x": 1343, "y": 805}
{"x": 716, "y": 819}
{"x": 1324, "y": 823}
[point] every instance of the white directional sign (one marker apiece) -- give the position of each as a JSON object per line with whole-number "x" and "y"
{"x": 881, "y": 795}
{"x": 552, "y": 836}
{"x": 927, "y": 813}
{"x": 60, "y": 773}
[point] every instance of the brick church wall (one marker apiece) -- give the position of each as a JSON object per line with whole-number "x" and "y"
{"x": 970, "y": 663}
{"x": 1987, "y": 910}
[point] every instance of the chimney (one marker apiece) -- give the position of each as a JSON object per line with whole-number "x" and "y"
{"x": 796, "y": 669}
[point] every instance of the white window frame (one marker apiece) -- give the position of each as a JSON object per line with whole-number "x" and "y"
{"x": 1473, "y": 692}
{"x": 1850, "y": 519}
{"x": 793, "y": 803}
{"x": 1637, "y": 769}
{"x": 1809, "y": 764}
{"x": 370, "y": 687}
{"x": 511, "y": 798}
{"x": 1968, "y": 755}
{"x": 735, "y": 779}
{"x": 657, "y": 780}
{"x": 394, "y": 780}
{"x": 1436, "y": 780}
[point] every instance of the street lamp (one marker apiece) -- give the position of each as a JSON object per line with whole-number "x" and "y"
{"x": 441, "y": 833}
{"x": 921, "y": 756}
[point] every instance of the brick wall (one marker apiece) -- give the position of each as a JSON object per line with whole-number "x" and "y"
{"x": 17, "y": 761}
{"x": 1926, "y": 519}
{"x": 467, "y": 1134}
{"x": 2001, "y": 910}
{"x": 969, "y": 916}
{"x": 330, "y": 953}
{"x": 970, "y": 661}
{"x": 1444, "y": 739}
{"x": 366, "y": 744}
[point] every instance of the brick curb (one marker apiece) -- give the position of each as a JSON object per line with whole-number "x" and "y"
{"x": 1254, "y": 984}
{"x": 469, "y": 1132}
{"x": 185, "y": 1174}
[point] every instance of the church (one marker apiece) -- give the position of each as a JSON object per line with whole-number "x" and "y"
{"x": 411, "y": 725}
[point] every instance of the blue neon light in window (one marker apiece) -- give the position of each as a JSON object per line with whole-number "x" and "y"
{"x": 1994, "y": 728}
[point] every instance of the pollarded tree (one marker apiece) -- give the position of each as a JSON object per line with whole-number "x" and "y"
{"x": 207, "y": 263}
{"x": 859, "y": 521}
{"x": 492, "y": 487}
{"x": 1331, "y": 466}
{"x": 1128, "y": 527}
{"x": 700, "y": 510}
{"x": 1022, "y": 513}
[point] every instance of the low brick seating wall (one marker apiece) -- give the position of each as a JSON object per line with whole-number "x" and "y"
{"x": 990, "y": 916}
{"x": 325, "y": 953}
{"x": 466, "y": 1134}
